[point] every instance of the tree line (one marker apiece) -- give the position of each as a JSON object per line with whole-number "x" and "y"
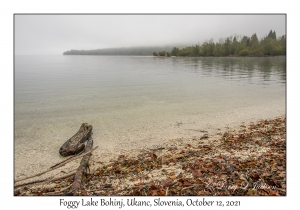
{"x": 270, "y": 45}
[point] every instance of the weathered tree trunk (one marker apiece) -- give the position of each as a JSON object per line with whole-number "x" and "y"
{"x": 84, "y": 165}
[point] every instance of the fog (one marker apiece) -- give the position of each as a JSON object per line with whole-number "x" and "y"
{"x": 54, "y": 34}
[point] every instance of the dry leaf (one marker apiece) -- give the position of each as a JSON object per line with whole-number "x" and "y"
{"x": 280, "y": 168}
{"x": 196, "y": 173}
{"x": 167, "y": 182}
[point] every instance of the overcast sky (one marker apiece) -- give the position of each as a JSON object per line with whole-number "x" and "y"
{"x": 54, "y": 34}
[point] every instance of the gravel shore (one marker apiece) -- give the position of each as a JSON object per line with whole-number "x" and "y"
{"x": 249, "y": 159}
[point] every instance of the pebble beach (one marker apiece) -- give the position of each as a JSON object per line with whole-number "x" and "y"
{"x": 251, "y": 152}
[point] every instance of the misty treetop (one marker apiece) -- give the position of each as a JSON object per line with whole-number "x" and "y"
{"x": 236, "y": 46}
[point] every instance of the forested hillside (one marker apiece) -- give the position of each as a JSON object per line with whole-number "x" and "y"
{"x": 237, "y": 46}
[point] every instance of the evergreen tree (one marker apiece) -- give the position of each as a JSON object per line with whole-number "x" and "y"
{"x": 272, "y": 35}
{"x": 174, "y": 51}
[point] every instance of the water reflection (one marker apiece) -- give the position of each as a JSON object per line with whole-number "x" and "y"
{"x": 119, "y": 76}
{"x": 234, "y": 68}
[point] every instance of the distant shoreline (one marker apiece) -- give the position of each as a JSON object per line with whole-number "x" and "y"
{"x": 237, "y": 46}
{"x": 230, "y": 56}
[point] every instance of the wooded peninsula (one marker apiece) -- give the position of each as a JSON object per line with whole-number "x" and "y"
{"x": 237, "y": 45}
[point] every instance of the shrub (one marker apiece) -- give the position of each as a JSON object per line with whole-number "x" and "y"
{"x": 244, "y": 52}
{"x": 162, "y": 53}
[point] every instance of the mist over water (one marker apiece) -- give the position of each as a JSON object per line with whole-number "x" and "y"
{"x": 136, "y": 101}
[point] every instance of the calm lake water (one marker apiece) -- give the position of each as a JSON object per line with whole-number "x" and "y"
{"x": 135, "y": 101}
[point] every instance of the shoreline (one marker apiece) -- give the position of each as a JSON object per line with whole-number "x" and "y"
{"x": 191, "y": 164}
{"x": 115, "y": 138}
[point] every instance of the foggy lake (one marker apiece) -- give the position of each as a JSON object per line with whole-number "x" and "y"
{"x": 133, "y": 101}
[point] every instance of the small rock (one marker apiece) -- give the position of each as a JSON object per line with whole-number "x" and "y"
{"x": 205, "y": 136}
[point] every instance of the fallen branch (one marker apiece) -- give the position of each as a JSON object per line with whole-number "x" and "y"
{"x": 72, "y": 158}
{"x": 47, "y": 180}
{"x": 56, "y": 166}
{"x": 84, "y": 165}
{"x": 33, "y": 182}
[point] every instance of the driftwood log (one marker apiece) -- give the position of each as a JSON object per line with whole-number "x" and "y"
{"x": 76, "y": 143}
{"x": 84, "y": 165}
